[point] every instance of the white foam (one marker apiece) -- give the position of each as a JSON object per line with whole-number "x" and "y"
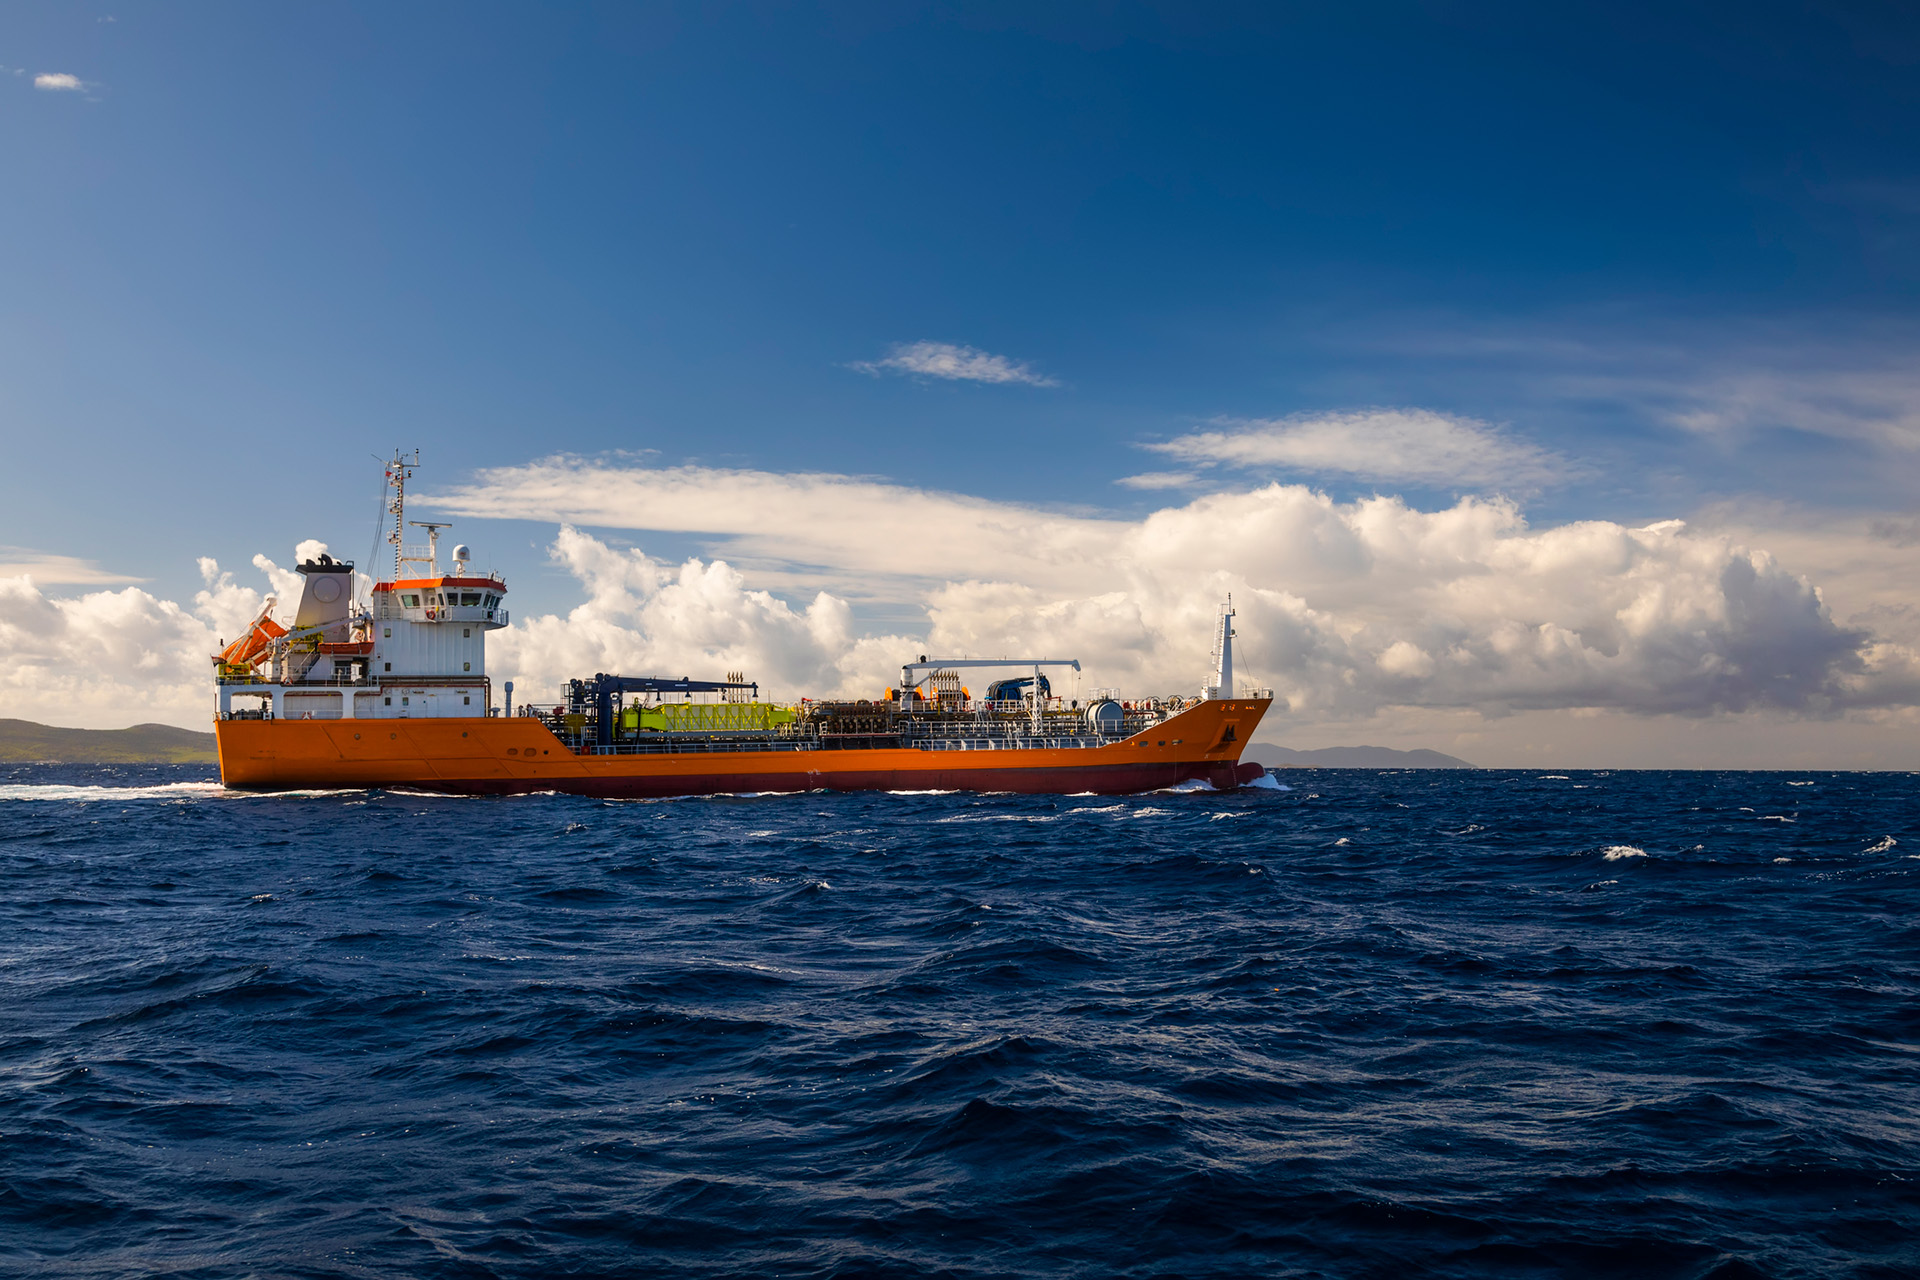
{"x": 1615, "y": 852}
{"x": 1191, "y": 784}
{"x": 1885, "y": 843}
{"x": 161, "y": 791}
{"x": 1265, "y": 782}
{"x": 1553, "y": 777}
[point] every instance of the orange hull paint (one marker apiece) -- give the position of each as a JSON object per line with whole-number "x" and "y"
{"x": 469, "y": 756}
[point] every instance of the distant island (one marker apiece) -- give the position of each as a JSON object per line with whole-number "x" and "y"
{"x": 1274, "y": 756}
{"x": 24, "y": 742}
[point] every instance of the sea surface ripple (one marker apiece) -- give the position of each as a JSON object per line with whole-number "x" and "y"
{"x": 1378, "y": 1024}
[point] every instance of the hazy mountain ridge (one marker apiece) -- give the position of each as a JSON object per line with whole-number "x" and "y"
{"x": 23, "y": 741}
{"x": 1275, "y": 756}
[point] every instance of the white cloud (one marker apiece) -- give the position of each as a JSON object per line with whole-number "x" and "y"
{"x": 1374, "y": 614}
{"x": 644, "y": 616}
{"x": 1347, "y": 608}
{"x": 42, "y": 567}
{"x": 1879, "y": 406}
{"x": 1844, "y": 376}
{"x": 954, "y": 362}
{"x": 849, "y": 532}
{"x": 1401, "y": 446}
{"x": 106, "y": 659}
{"x": 1160, "y": 480}
{"x": 58, "y": 82}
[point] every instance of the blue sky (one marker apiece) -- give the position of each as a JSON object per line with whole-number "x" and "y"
{"x": 1672, "y": 250}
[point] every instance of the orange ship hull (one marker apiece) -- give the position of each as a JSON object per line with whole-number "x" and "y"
{"x": 476, "y": 756}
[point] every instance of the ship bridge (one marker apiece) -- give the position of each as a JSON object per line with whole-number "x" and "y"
{"x": 415, "y": 649}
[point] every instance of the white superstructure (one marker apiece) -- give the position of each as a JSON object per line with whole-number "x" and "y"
{"x": 417, "y": 649}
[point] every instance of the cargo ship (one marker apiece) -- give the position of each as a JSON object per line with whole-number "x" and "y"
{"x": 391, "y": 690}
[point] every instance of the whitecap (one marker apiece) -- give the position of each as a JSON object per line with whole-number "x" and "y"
{"x": 160, "y": 791}
{"x": 1615, "y": 852}
{"x": 1266, "y": 782}
{"x": 1885, "y": 843}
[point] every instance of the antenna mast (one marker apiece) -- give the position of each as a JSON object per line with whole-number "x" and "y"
{"x": 399, "y": 471}
{"x": 1222, "y": 686}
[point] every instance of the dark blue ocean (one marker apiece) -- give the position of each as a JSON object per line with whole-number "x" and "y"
{"x": 1379, "y": 1024}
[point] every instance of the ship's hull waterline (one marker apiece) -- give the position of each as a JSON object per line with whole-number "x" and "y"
{"x": 518, "y": 755}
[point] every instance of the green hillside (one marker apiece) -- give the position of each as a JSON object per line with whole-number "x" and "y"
{"x": 22, "y": 741}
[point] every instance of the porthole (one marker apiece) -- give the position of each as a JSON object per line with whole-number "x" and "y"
{"x": 356, "y": 737}
{"x": 393, "y": 735}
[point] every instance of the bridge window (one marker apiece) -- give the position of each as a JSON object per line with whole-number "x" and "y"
{"x": 411, "y": 600}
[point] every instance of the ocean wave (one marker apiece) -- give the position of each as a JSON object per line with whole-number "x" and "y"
{"x": 89, "y": 793}
{"x": 1393, "y": 1026}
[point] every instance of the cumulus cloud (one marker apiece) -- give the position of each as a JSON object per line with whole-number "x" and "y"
{"x": 1344, "y": 607}
{"x": 1400, "y": 446}
{"x": 697, "y": 618}
{"x": 1350, "y": 610}
{"x": 953, "y": 362}
{"x": 59, "y": 82}
{"x": 105, "y": 659}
